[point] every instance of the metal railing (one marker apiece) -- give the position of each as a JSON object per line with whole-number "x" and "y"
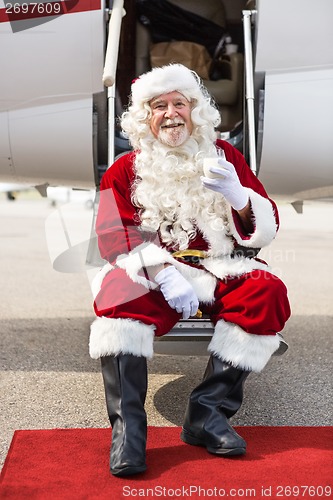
{"x": 111, "y": 56}
{"x": 110, "y": 69}
{"x": 249, "y": 88}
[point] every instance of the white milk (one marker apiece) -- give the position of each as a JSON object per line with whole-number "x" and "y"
{"x": 211, "y": 162}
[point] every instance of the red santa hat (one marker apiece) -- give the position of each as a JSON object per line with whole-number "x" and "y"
{"x": 170, "y": 78}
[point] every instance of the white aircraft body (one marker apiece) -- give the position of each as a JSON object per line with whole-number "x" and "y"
{"x": 56, "y": 116}
{"x": 49, "y": 75}
{"x": 295, "y": 54}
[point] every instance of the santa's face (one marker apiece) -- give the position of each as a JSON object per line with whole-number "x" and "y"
{"x": 171, "y": 118}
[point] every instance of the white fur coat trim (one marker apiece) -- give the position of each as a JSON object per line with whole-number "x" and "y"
{"x": 152, "y": 255}
{"x": 220, "y": 243}
{"x": 96, "y": 283}
{"x": 232, "y": 266}
{"x": 204, "y": 283}
{"x": 112, "y": 336}
{"x": 243, "y": 350}
{"x": 264, "y": 222}
{"x": 143, "y": 256}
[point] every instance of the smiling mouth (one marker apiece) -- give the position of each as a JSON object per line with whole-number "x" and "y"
{"x": 173, "y": 125}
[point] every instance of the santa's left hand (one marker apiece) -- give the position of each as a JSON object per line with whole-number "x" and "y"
{"x": 227, "y": 183}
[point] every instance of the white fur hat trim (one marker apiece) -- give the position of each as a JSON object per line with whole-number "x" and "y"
{"x": 158, "y": 81}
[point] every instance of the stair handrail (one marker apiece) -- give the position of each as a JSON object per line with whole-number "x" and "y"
{"x": 111, "y": 56}
{"x": 249, "y": 88}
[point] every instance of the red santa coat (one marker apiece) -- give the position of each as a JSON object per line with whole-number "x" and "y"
{"x": 127, "y": 247}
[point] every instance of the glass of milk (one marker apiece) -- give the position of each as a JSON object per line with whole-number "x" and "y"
{"x": 213, "y": 161}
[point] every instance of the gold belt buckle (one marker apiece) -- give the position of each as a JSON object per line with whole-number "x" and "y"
{"x": 190, "y": 253}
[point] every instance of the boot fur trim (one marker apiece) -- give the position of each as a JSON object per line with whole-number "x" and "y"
{"x": 243, "y": 350}
{"x": 120, "y": 336}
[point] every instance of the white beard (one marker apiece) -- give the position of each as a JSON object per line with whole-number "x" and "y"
{"x": 173, "y": 136}
{"x": 169, "y": 191}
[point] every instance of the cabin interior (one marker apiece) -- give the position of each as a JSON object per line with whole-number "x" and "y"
{"x": 221, "y": 68}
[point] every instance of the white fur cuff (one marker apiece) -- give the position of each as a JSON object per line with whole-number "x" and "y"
{"x": 264, "y": 222}
{"x": 142, "y": 256}
{"x": 112, "y": 336}
{"x": 243, "y": 350}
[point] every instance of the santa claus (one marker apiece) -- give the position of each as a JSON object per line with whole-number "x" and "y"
{"x": 175, "y": 240}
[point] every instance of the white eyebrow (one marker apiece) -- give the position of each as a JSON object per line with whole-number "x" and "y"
{"x": 157, "y": 101}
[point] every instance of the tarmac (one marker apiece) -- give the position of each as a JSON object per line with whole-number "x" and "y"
{"x": 48, "y": 380}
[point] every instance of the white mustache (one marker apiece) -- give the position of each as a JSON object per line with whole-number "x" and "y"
{"x": 175, "y": 121}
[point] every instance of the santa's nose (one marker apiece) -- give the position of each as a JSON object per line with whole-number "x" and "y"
{"x": 171, "y": 111}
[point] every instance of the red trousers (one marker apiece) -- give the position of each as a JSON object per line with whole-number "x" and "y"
{"x": 257, "y": 302}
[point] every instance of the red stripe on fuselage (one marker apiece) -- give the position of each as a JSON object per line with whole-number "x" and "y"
{"x": 46, "y": 9}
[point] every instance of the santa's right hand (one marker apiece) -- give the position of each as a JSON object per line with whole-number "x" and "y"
{"x": 177, "y": 291}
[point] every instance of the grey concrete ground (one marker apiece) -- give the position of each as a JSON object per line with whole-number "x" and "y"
{"x": 47, "y": 379}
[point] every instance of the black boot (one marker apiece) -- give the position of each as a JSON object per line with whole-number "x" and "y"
{"x": 211, "y": 403}
{"x": 125, "y": 382}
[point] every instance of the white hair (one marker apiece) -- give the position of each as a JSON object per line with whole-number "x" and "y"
{"x": 167, "y": 188}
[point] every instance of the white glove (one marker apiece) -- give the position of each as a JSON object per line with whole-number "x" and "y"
{"x": 227, "y": 183}
{"x": 177, "y": 291}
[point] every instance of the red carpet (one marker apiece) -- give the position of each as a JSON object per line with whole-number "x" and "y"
{"x": 282, "y": 462}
